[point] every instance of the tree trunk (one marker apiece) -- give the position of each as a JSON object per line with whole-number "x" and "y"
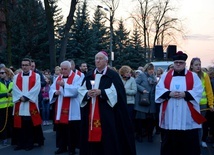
{"x": 50, "y": 26}
{"x": 69, "y": 23}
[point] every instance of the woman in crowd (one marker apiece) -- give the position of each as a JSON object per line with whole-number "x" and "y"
{"x": 6, "y": 104}
{"x": 45, "y": 102}
{"x": 159, "y": 72}
{"x": 207, "y": 97}
{"x": 145, "y": 115}
{"x": 130, "y": 88}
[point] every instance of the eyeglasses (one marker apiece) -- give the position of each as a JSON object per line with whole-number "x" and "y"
{"x": 179, "y": 62}
{"x": 2, "y": 72}
{"x": 25, "y": 65}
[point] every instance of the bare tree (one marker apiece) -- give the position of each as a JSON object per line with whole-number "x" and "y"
{"x": 69, "y": 23}
{"x": 156, "y": 23}
{"x": 165, "y": 26}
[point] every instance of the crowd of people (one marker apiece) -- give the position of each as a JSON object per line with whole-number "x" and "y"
{"x": 98, "y": 111}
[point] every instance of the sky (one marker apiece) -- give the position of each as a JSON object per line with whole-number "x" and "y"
{"x": 197, "y": 19}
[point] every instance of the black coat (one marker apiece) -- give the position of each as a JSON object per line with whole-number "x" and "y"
{"x": 117, "y": 132}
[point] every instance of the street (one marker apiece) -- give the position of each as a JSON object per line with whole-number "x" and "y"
{"x": 144, "y": 148}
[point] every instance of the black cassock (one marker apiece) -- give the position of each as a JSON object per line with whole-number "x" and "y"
{"x": 117, "y": 131}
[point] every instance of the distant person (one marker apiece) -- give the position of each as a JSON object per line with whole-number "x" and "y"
{"x": 106, "y": 127}
{"x": 141, "y": 68}
{"x": 45, "y": 102}
{"x": 207, "y": 97}
{"x": 43, "y": 82}
{"x": 130, "y": 88}
{"x": 179, "y": 92}
{"x": 57, "y": 72}
{"x": 137, "y": 72}
{"x": 145, "y": 115}
{"x": 84, "y": 68}
{"x": 73, "y": 68}
{"x": 170, "y": 67}
{"x": 6, "y": 104}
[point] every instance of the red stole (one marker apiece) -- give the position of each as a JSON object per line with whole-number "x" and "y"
{"x": 35, "y": 115}
{"x": 78, "y": 73}
{"x": 197, "y": 117}
{"x": 65, "y": 103}
{"x": 94, "y": 129}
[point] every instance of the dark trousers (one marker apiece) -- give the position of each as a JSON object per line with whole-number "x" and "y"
{"x": 6, "y": 122}
{"x": 180, "y": 142}
{"x": 28, "y": 134}
{"x": 68, "y": 135}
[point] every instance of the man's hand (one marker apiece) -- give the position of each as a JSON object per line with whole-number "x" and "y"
{"x": 57, "y": 92}
{"x": 61, "y": 83}
{"x": 94, "y": 92}
{"x": 22, "y": 99}
{"x": 177, "y": 94}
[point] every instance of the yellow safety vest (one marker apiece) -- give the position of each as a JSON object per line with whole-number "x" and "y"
{"x": 203, "y": 100}
{"x": 6, "y": 101}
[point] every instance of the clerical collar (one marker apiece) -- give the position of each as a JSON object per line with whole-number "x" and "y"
{"x": 97, "y": 72}
{"x": 100, "y": 72}
{"x": 181, "y": 73}
{"x": 26, "y": 74}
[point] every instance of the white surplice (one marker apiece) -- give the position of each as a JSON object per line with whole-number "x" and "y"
{"x": 69, "y": 90}
{"x": 32, "y": 94}
{"x": 177, "y": 114}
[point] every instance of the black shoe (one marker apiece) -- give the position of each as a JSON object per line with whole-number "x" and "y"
{"x": 29, "y": 148}
{"x": 59, "y": 151}
{"x": 18, "y": 148}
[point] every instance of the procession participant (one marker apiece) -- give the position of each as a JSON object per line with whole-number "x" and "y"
{"x": 106, "y": 127}
{"x": 179, "y": 92}
{"x": 27, "y": 119}
{"x": 64, "y": 93}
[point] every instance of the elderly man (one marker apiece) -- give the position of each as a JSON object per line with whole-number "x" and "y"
{"x": 105, "y": 124}
{"x": 179, "y": 92}
{"x": 64, "y": 93}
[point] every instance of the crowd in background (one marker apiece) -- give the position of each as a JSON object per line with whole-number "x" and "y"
{"x": 144, "y": 119}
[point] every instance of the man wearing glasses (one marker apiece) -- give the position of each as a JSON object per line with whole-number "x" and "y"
{"x": 27, "y": 119}
{"x": 179, "y": 92}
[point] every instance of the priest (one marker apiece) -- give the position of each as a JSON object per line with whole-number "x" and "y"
{"x": 179, "y": 92}
{"x": 105, "y": 123}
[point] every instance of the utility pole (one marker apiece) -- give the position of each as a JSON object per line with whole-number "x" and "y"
{"x": 111, "y": 33}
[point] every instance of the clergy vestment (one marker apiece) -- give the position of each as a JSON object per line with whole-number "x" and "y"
{"x": 180, "y": 128}
{"x": 67, "y": 111}
{"x": 27, "y": 119}
{"x": 105, "y": 123}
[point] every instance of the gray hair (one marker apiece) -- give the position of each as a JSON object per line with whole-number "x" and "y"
{"x": 66, "y": 63}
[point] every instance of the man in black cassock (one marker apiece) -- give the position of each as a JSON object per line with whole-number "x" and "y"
{"x": 105, "y": 124}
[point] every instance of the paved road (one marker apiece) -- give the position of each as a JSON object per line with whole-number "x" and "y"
{"x": 144, "y": 148}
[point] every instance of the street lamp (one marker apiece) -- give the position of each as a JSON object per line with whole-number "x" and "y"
{"x": 111, "y": 32}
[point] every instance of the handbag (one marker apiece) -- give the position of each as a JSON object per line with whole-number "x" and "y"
{"x": 144, "y": 99}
